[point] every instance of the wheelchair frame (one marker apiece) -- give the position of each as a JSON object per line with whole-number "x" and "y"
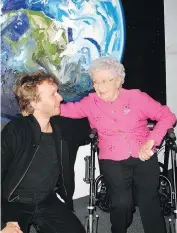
{"x": 168, "y": 188}
{"x": 91, "y": 221}
{"x": 168, "y": 193}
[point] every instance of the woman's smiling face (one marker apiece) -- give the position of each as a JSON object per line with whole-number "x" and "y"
{"x": 106, "y": 84}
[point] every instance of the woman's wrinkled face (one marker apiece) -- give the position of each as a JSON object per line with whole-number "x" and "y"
{"x": 106, "y": 84}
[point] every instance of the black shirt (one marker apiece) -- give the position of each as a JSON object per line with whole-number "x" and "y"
{"x": 42, "y": 176}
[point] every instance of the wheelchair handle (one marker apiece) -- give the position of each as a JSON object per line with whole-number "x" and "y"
{"x": 87, "y": 170}
{"x": 93, "y": 134}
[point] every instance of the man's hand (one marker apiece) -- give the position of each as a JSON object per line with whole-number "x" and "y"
{"x": 12, "y": 227}
{"x": 145, "y": 151}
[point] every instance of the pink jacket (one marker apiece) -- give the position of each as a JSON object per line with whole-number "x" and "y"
{"x": 122, "y": 124}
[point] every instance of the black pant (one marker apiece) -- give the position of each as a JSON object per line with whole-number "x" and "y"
{"x": 120, "y": 177}
{"x": 51, "y": 216}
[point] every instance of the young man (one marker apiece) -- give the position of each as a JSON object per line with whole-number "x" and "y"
{"x": 37, "y": 159}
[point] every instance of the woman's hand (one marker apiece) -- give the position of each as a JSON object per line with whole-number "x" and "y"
{"x": 145, "y": 151}
{"x": 12, "y": 227}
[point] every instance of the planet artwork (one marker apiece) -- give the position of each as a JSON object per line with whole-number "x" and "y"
{"x": 60, "y": 37}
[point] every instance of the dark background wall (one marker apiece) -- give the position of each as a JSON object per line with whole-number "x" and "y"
{"x": 144, "y": 57}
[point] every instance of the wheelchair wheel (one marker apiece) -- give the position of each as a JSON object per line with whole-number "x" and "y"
{"x": 165, "y": 193}
{"x": 171, "y": 228}
{"x": 102, "y": 200}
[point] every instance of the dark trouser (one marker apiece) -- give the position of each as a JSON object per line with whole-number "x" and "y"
{"x": 51, "y": 216}
{"x": 144, "y": 176}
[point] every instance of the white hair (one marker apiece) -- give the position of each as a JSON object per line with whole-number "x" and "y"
{"x": 108, "y": 63}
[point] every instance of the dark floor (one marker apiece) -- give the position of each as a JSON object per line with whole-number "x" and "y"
{"x": 104, "y": 223}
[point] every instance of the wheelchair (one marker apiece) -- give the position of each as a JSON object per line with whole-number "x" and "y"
{"x": 98, "y": 196}
{"x": 167, "y": 189}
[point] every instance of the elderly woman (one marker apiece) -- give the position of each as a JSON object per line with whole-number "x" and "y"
{"x": 125, "y": 143}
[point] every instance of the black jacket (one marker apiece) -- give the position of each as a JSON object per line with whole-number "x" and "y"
{"x": 20, "y": 142}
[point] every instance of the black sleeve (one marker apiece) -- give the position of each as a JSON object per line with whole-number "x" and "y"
{"x": 8, "y": 144}
{"x": 2, "y": 225}
{"x": 81, "y": 130}
{"x": 75, "y": 130}
{"x": 76, "y": 133}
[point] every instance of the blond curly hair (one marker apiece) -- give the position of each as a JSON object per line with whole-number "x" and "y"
{"x": 25, "y": 89}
